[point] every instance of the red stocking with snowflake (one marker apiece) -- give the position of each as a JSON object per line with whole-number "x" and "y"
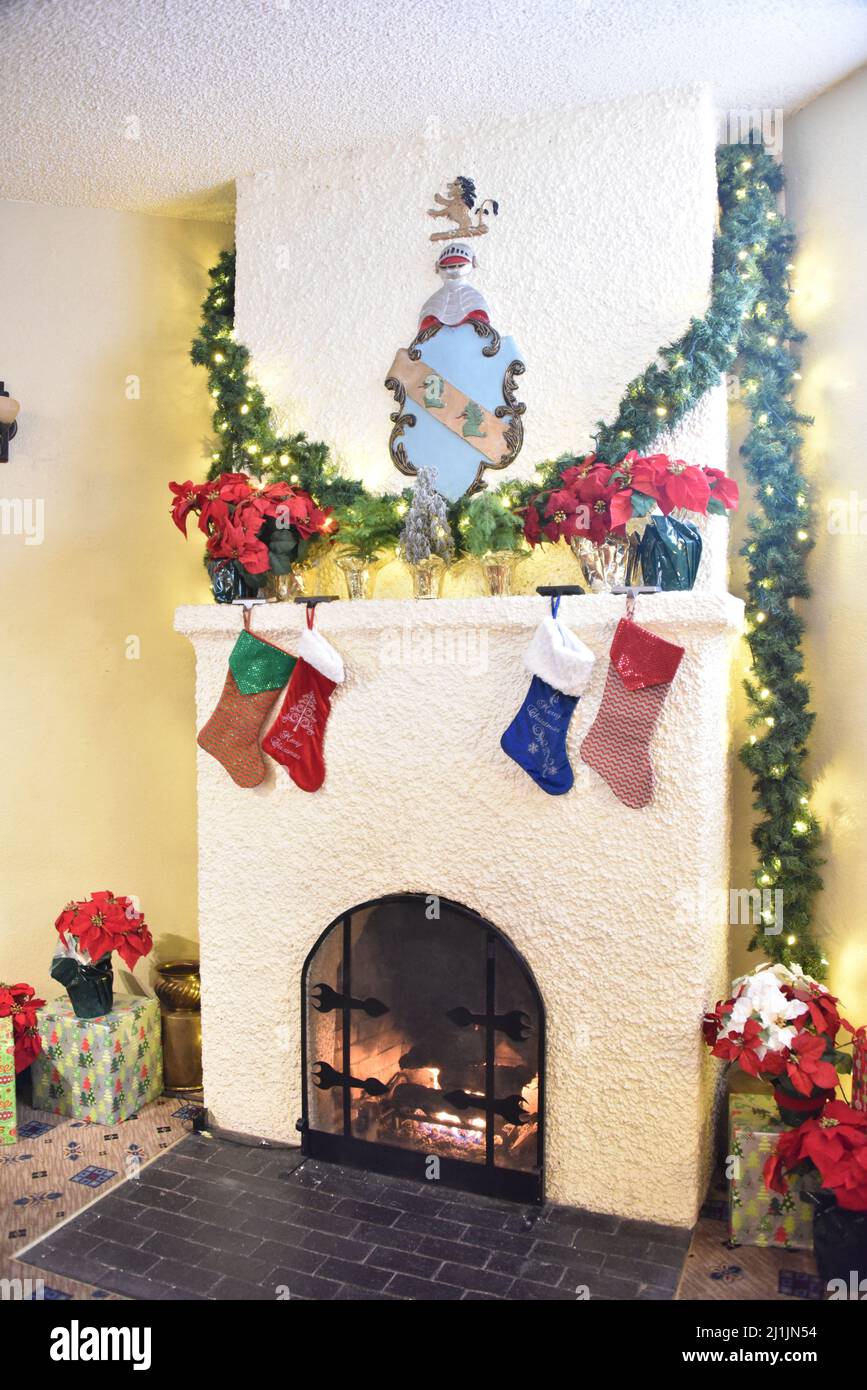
{"x": 295, "y": 740}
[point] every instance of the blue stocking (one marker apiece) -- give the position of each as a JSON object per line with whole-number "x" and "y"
{"x": 536, "y": 737}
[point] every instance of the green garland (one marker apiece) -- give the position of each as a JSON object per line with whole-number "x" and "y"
{"x": 747, "y": 321}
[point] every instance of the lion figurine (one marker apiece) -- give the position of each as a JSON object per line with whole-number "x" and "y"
{"x": 457, "y": 205}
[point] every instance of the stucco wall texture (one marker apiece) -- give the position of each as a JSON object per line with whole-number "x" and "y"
{"x": 600, "y": 254}
{"x": 619, "y": 913}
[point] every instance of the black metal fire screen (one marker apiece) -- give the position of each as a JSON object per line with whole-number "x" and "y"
{"x": 423, "y": 1048}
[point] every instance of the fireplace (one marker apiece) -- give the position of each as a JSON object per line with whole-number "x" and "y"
{"x": 423, "y": 1048}
{"x": 619, "y": 916}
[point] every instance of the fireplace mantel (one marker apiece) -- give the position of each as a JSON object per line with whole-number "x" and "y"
{"x": 617, "y": 912}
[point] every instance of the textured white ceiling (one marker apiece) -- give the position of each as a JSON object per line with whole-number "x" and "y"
{"x": 159, "y": 104}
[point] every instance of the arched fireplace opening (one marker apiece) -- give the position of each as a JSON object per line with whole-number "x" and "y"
{"x": 423, "y": 1048}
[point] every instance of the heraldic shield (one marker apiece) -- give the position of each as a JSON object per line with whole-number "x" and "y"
{"x": 457, "y": 409}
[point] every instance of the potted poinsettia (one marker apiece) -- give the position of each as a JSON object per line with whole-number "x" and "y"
{"x": 19, "y": 1003}
{"x": 624, "y": 518}
{"x": 833, "y": 1145}
{"x": 89, "y": 931}
{"x": 782, "y": 1026}
{"x": 257, "y": 537}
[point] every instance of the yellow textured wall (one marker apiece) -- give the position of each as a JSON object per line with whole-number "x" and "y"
{"x": 98, "y": 762}
{"x": 826, "y": 166}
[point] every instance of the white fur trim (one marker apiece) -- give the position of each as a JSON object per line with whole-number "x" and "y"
{"x": 559, "y": 657}
{"x": 321, "y": 655}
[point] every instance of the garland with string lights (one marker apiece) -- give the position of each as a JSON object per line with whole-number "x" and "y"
{"x": 748, "y": 322}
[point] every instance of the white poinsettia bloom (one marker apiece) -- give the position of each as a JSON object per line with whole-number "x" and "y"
{"x": 780, "y": 1038}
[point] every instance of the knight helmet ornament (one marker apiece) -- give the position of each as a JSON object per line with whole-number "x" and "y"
{"x": 458, "y": 370}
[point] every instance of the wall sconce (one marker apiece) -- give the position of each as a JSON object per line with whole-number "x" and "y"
{"x": 9, "y": 409}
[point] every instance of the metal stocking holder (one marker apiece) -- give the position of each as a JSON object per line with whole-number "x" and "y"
{"x": 632, "y": 591}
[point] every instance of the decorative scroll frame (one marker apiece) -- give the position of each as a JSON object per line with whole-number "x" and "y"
{"x": 512, "y": 409}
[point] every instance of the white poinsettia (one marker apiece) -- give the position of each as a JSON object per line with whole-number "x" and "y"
{"x": 758, "y": 996}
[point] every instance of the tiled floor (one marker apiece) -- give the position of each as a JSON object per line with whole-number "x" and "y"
{"x": 60, "y": 1165}
{"x": 216, "y": 1220}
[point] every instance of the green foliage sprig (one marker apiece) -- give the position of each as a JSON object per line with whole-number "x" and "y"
{"x": 371, "y": 524}
{"x": 486, "y": 524}
{"x": 748, "y": 323}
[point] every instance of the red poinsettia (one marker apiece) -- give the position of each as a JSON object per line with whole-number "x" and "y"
{"x": 104, "y": 923}
{"x": 835, "y": 1144}
{"x": 805, "y": 1066}
{"x": 243, "y": 521}
{"x": 19, "y": 1003}
{"x": 744, "y": 1048}
{"x": 596, "y": 499}
{"x": 564, "y": 512}
{"x": 723, "y": 489}
{"x": 596, "y": 491}
{"x": 237, "y": 542}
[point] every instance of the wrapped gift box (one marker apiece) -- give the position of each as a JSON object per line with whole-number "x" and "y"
{"x": 859, "y": 1070}
{"x": 8, "y": 1113}
{"x": 757, "y": 1216}
{"x": 101, "y": 1070}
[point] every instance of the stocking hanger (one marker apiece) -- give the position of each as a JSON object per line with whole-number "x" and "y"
{"x": 632, "y": 591}
{"x": 556, "y": 591}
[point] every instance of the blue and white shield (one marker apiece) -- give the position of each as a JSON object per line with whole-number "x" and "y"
{"x": 460, "y": 383}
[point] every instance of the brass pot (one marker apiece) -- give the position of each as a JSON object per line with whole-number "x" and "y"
{"x": 177, "y": 985}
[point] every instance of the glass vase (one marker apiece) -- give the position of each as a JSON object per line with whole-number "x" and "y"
{"x": 360, "y": 575}
{"x": 285, "y": 588}
{"x": 498, "y": 567}
{"x": 427, "y": 577}
{"x": 607, "y": 564}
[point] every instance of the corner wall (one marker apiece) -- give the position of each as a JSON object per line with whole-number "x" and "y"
{"x": 98, "y": 757}
{"x": 826, "y": 168}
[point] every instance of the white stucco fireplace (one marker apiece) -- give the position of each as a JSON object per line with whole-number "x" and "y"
{"x": 617, "y": 914}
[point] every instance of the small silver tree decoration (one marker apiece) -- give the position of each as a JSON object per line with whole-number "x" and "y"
{"x": 426, "y": 540}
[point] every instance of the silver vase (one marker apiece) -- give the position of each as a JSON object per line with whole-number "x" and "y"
{"x": 427, "y": 577}
{"x": 610, "y": 563}
{"x": 360, "y": 575}
{"x": 498, "y": 567}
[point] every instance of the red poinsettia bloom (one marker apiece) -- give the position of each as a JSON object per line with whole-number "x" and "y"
{"x": 595, "y": 492}
{"x": 835, "y": 1143}
{"x": 804, "y": 1066}
{"x": 684, "y": 486}
{"x": 565, "y": 515}
{"x": 823, "y": 1011}
{"x": 234, "y": 542}
{"x": 532, "y": 525}
{"x": 722, "y": 488}
{"x": 576, "y": 471}
{"x": 19, "y": 1003}
{"x": 106, "y": 923}
{"x": 743, "y": 1049}
{"x": 186, "y": 500}
{"x": 711, "y": 1023}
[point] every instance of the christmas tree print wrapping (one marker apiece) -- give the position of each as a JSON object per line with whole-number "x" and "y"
{"x": 859, "y": 1070}
{"x": 102, "y": 1070}
{"x": 757, "y": 1216}
{"x": 8, "y": 1112}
